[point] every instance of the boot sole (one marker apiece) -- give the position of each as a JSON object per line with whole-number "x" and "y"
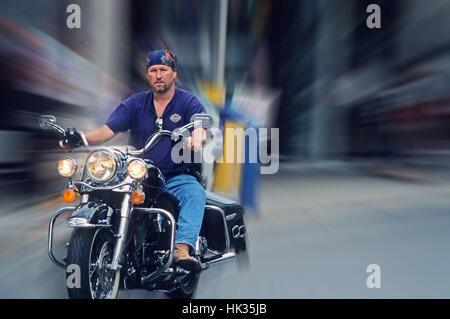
{"x": 190, "y": 265}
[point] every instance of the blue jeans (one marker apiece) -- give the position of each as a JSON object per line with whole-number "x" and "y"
{"x": 192, "y": 199}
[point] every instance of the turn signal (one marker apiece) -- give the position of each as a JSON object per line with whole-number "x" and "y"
{"x": 69, "y": 196}
{"x": 137, "y": 197}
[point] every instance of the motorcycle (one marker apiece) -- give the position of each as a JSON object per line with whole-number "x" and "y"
{"x": 124, "y": 228}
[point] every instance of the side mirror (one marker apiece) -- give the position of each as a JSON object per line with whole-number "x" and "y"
{"x": 47, "y": 122}
{"x": 198, "y": 120}
{"x": 205, "y": 119}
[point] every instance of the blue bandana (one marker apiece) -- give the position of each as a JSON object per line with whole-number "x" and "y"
{"x": 163, "y": 57}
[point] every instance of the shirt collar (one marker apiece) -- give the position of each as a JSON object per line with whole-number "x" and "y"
{"x": 169, "y": 106}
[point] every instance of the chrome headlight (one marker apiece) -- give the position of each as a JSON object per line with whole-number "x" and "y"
{"x": 67, "y": 167}
{"x": 101, "y": 166}
{"x": 137, "y": 169}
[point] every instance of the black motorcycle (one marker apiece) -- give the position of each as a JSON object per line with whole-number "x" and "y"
{"x": 124, "y": 228}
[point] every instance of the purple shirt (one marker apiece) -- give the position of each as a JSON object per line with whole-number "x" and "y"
{"x": 137, "y": 114}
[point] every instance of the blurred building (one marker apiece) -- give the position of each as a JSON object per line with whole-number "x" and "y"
{"x": 47, "y": 68}
{"x": 354, "y": 92}
{"x": 334, "y": 87}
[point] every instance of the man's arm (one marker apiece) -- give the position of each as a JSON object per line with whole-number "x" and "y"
{"x": 97, "y": 136}
{"x": 198, "y": 135}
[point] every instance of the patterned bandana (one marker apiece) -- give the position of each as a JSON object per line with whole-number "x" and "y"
{"x": 163, "y": 57}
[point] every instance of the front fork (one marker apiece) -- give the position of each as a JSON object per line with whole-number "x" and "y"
{"x": 121, "y": 235}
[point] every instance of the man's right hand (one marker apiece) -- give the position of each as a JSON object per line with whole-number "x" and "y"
{"x": 96, "y": 137}
{"x": 62, "y": 145}
{"x": 73, "y": 138}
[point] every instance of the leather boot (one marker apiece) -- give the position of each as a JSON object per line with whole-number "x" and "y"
{"x": 182, "y": 258}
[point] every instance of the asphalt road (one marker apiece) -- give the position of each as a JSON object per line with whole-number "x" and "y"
{"x": 316, "y": 233}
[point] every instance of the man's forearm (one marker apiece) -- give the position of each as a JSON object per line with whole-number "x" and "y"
{"x": 100, "y": 135}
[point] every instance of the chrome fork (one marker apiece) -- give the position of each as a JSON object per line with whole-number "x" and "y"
{"x": 123, "y": 229}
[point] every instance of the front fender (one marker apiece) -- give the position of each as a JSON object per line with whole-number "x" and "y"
{"x": 91, "y": 214}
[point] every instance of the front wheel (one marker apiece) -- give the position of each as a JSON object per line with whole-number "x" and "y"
{"x": 89, "y": 253}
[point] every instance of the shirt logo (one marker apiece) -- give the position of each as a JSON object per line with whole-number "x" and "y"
{"x": 175, "y": 118}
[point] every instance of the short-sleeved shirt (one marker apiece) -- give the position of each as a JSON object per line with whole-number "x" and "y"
{"x": 137, "y": 114}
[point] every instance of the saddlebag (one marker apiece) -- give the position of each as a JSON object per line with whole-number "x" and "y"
{"x": 223, "y": 223}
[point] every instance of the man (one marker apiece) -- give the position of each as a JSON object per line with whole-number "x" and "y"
{"x": 165, "y": 107}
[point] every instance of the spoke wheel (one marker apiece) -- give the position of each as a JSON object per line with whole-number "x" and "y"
{"x": 102, "y": 280}
{"x": 92, "y": 250}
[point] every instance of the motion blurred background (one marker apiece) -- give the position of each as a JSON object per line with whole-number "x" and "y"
{"x": 360, "y": 111}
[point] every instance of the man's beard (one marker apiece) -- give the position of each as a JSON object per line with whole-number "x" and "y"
{"x": 163, "y": 89}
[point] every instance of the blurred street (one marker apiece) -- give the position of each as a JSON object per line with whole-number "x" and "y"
{"x": 318, "y": 229}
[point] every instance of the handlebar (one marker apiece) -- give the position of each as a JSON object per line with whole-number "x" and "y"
{"x": 197, "y": 120}
{"x": 177, "y": 134}
{"x": 57, "y": 128}
{"x": 151, "y": 142}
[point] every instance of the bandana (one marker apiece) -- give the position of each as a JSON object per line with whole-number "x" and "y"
{"x": 163, "y": 57}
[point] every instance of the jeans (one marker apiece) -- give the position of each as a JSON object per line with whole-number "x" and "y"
{"x": 192, "y": 199}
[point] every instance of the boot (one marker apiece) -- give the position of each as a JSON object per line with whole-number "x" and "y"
{"x": 183, "y": 259}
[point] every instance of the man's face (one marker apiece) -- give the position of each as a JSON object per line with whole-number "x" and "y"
{"x": 161, "y": 77}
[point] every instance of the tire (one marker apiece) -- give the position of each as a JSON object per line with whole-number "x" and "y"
{"x": 88, "y": 247}
{"x": 187, "y": 288}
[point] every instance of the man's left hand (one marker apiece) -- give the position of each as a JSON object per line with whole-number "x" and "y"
{"x": 196, "y": 140}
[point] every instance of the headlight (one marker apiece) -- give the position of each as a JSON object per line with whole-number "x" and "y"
{"x": 101, "y": 166}
{"x": 67, "y": 167}
{"x": 137, "y": 169}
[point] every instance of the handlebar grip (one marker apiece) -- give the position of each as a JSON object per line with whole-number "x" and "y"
{"x": 73, "y": 138}
{"x": 83, "y": 139}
